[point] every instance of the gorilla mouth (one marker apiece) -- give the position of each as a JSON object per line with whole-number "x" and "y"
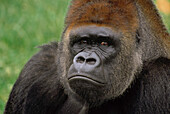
{"x": 86, "y": 78}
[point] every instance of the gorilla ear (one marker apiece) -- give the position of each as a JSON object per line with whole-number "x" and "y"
{"x": 154, "y": 37}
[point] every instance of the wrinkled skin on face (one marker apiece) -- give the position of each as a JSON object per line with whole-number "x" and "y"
{"x": 104, "y": 62}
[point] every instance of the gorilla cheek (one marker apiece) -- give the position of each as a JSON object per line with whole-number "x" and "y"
{"x": 124, "y": 72}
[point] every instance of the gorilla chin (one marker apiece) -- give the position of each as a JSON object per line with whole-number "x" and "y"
{"x": 91, "y": 90}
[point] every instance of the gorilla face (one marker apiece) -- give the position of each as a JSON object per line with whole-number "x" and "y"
{"x": 104, "y": 62}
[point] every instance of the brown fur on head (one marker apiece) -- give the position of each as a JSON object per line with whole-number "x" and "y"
{"x": 113, "y": 13}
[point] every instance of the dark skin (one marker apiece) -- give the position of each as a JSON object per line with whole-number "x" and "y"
{"x": 111, "y": 60}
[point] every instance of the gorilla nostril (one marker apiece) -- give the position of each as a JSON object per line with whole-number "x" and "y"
{"x": 91, "y": 61}
{"x": 80, "y": 60}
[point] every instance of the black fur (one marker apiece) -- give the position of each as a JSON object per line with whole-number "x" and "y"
{"x": 38, "y": 90}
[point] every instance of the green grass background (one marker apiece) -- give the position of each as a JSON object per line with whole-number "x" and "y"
{"x": 25, "y": 24}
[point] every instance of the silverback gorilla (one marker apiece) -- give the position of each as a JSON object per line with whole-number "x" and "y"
{"x": 114, "y": 58}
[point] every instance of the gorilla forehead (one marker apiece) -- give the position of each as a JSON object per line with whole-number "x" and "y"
{"x": 117, "y": 14}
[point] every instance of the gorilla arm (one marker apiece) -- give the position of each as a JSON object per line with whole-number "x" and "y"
{"x": 38, "y": 89}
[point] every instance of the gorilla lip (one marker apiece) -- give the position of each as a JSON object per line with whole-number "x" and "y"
{"x": 86, "y": 78}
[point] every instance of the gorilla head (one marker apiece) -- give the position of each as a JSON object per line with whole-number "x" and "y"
{"x": 104, "y": 55}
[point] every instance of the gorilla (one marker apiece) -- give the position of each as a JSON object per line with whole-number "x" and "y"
{"x": 113, "y": 58}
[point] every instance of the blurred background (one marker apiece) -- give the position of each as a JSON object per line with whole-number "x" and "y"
{"x": 25, "y": 24}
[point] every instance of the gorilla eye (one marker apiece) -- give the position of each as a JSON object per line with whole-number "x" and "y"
{"x": 83, "y": 42}
{"x": 104, "y": 43}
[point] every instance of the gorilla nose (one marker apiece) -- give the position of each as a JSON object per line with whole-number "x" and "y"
{"x": 90, "y": 61}
{"x": 86, "y": 61}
